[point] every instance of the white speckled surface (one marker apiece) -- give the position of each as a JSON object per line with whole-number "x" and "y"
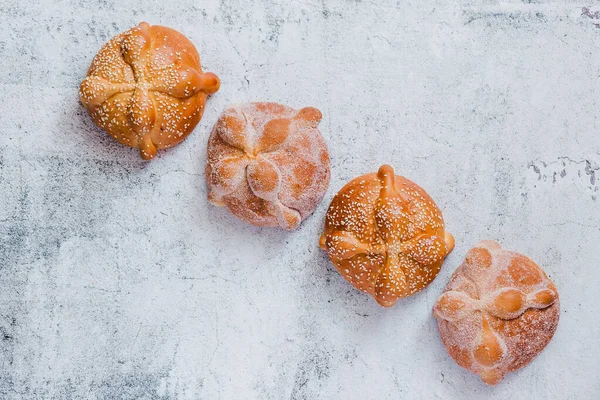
{"x": 119, "y": 280}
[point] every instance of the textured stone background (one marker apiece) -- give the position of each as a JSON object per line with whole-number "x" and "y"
{"x": 119, "y": 280}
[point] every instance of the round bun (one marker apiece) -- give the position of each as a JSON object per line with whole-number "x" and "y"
{"x": 267, "y": 163}
{"x": 146, "y": 88}
{"x": 386, "y": 236}
{"x": 497, "y": 313}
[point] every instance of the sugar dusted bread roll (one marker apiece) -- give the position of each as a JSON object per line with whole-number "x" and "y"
{"x": 267, "y": 163}
{"x": 386, "y": 236}
{"x": 146, "y": 88}
{"x": 497, "y": 313}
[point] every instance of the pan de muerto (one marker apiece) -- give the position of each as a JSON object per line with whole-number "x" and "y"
{"x": 497, "y": 313}
{"x": 267, "y": 163}
{"x": 146, "y": 88}
{"x": 386, "y": 236}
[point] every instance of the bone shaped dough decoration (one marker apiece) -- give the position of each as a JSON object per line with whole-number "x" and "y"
{"x": 497, "y": 313}
{"x": 146, "y": 88}
{"x": 267, "y": 163}
{"x": 386, "y": 236}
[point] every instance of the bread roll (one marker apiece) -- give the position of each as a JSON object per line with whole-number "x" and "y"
{"x": 497, "y": 313}
{"x": 386, "y": 236}
{"x": 146, "y": 88}
{"x": 267, "y": 163}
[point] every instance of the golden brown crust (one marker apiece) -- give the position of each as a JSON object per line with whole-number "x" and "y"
{"x": 146, "y": 88}
{"x": 497, "y": 313}
{"x": 385, "y": 235}
{"x": 267, "y": 163}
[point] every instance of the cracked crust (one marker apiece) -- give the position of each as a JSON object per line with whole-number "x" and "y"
{"x": 146, "y": 88}
{"x": 497, "y": 313}
{"x": 386, "y": 236}
{"x": 267, "y": 163}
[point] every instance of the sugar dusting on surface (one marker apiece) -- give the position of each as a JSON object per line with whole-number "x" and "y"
{"x": 506, "y": 294}
{"x": 385, "y": 235}
{"x": 267, "y": 164}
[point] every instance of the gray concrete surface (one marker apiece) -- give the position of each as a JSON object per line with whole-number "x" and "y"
{"x": 119, "y": 280}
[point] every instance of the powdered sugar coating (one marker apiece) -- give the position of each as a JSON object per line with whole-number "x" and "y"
{"x": 268, "y": 163}
{"x": 497, "y": 313}
{"x": 146, "y": 88}
{"x": 386, "y": 236}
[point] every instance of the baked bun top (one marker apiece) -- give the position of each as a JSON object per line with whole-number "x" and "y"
{"x": 386, "y": 236}
{"x": 497, "y": 313}
{"x": 146, "y": 88}
{"x": 267, "y": 163}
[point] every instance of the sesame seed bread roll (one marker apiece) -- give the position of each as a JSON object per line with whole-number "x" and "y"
{"x": 267, "y": 163}
{"x": 386, "y": 236}
{"x": 497, "y": 313}
{"x": 146, "y": 88}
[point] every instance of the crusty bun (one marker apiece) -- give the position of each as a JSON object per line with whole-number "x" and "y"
{"x": 146, "y": 88}
{"x": 497, "y": 313}
{"x": 267, "y": 163}
{"x": 386, "y": 236}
